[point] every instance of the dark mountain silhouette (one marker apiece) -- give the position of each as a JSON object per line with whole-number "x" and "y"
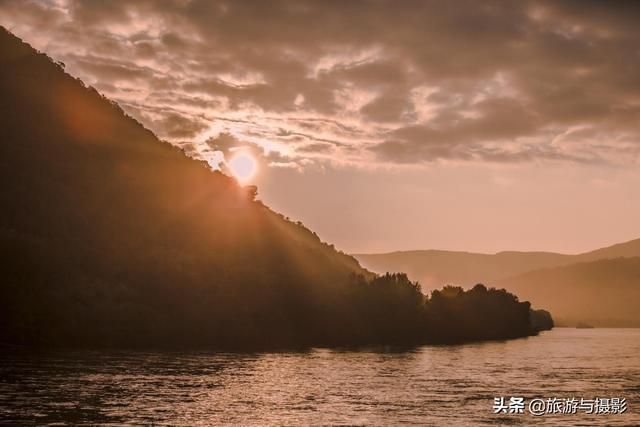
{"x": 109, "y": 236}
{"x": 599, "y": 293}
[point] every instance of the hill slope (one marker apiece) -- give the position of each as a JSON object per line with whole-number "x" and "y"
{"x": 628, "y": 249}
{"x": 434, "y": 268}
{"x": 110, "y": 237}
{"x": 100, "y": 217}
{"x": 600, "y": 293}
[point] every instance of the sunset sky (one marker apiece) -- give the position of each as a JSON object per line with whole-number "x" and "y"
{"x": 479, "y": 126}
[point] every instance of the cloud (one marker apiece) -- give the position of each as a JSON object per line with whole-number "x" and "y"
{"x": 178, "y": 126}
{"x": 362, "y": 82}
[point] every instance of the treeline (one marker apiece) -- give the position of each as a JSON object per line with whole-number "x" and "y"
{"x": 392, "y": 309}
{"x": 387, "y": 310}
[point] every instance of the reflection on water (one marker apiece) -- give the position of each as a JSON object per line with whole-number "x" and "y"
{"x": 434, "y": 385}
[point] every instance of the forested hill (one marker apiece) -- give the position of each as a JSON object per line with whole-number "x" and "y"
{"x": 110, "y": 237}
{"x": 100, "y": 217}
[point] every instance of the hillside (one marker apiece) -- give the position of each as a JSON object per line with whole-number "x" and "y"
{"x": 599, "y": 293}
{"x": 110, "y": 237}
{"x": 628, "y": 249}
{"x": 99, "y": 216}
{"x": 433, "y": 268}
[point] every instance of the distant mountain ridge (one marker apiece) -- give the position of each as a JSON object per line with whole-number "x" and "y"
{"x": 436, "y": 267}
{"x": 604, "y": 293}
{"x": 627, "y": 249}
{"x": 532, "y": 275}
{"x": 433, "y": 268}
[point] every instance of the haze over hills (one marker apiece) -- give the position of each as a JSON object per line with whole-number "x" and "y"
{"x": 599, "y": 293}
{"x": 109, "y": 236}
{"x": 433, "y": 268}
{"x": 578, "y": 280}
{"x": 628, "y": 249}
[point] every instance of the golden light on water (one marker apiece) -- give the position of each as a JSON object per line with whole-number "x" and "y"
{"x": 243, "y": 166}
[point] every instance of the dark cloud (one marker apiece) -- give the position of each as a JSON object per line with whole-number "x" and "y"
{"x": 110, "y": 71}
{"x": 224, "y": 142}
{"x": 175, "y": 126}
{"x": 406, "y": 82}
{"x": 388, "y": 107}
{"x": 317, "y": 147}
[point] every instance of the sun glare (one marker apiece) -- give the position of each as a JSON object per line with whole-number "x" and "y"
{"x": 243, "y": 166}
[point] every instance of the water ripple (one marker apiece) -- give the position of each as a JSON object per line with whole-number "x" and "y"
{"x": 431, "y": 385}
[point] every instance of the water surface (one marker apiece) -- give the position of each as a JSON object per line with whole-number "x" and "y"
{"x": 430, "y": 385}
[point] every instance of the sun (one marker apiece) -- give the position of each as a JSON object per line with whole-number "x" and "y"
{"x": 243, "y": 166}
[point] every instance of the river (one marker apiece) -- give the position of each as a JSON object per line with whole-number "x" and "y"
{"x": 429, "y": 385}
